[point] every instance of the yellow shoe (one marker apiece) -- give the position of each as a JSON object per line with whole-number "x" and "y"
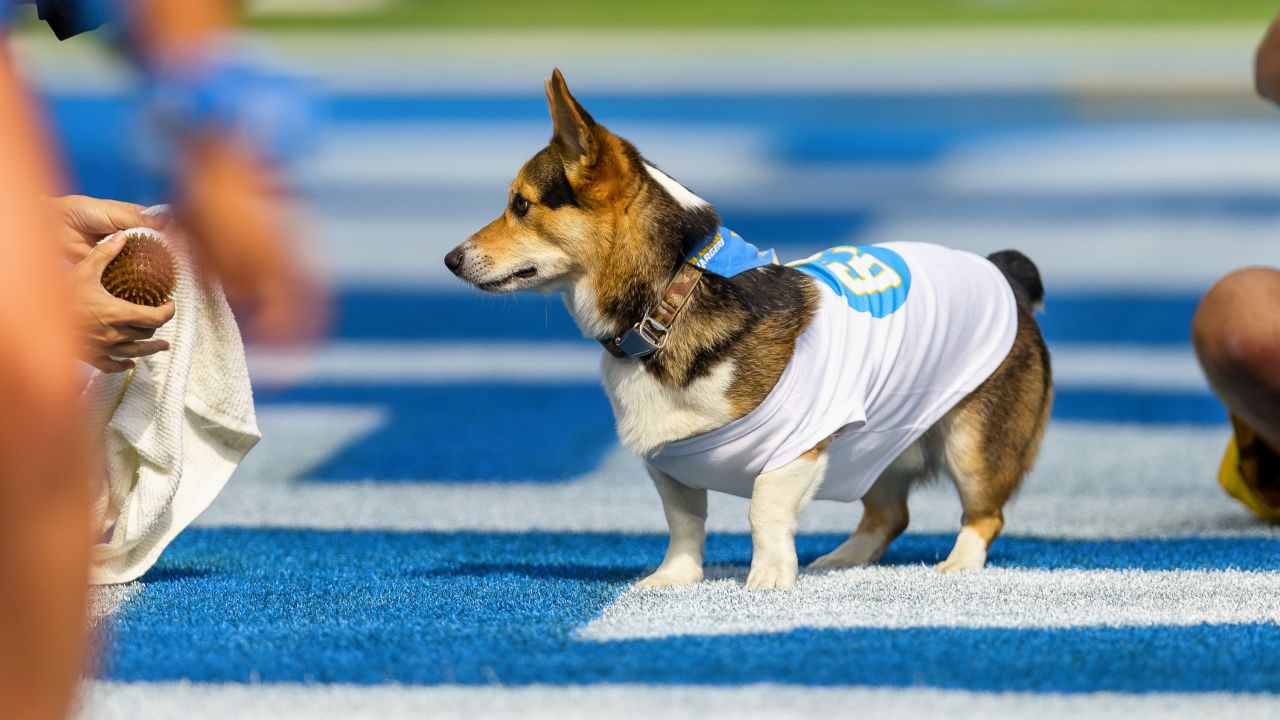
{"x": 1250, "y": 472}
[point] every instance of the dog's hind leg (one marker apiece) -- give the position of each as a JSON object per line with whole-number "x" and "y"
{"x": 686, "y": 511}
{"x": 777, "y": 499}
{"x": 990, "y": 440}
{"x": 984, "y": 483}
{"x": 884, "y": 514}
{"x": 987, "y": 459}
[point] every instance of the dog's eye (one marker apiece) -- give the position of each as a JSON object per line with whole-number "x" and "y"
{"x": 519, "y": 205}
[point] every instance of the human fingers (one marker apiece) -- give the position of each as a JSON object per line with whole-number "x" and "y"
{"x": 98, "y": 217}
{"x": 109, "y": 365}
{"x": 120, "y": 333}
{"x": 143, "y": 316}
{"x": 103, "y": 253}
{"x": 138, "y": 348}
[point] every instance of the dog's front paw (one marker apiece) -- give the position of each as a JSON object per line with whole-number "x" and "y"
{"x": 771, "y": 575}
{"x": 670, "y": 576}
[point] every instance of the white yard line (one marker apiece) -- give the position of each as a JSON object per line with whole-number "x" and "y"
{"x": 1134, "y": 368}
{"x": 908, "y": 597}
{"x": 1092, "y": 481}
{"x": 1158, "y": 59}
{"x": 105, "y": 600}
{"x": 1133, "y": 254}
{"x": 141, "y": 701}
{"x": 430, "y": 363}
{"x": 1092, "y": 366}
{"x": 1173, "y": 156}
{"x": 487, "y": 153}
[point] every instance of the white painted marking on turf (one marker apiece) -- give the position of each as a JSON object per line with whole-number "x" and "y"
{"x": 1178, "y": 58}
{"x": 449, "y": 153}
{"x": 1134, "y": 368}
{"x": 680, "y": 193}
{"x": 106, "y": 600}
{"x": 142, "y": 701}
{"x": 430, "y": 363}
{"x": 1126, "y": 253}
{"x": 1092, "y": 481}
{"x": 789, "y": 60}
{"x": 1164, "y": 157}
{"x": 1107, "y": 366}
{"x": 906, "y": 597}
{"x": 404, "y": 243}
{"x": 407, "y": 250}
{"x": 314, "y": 434}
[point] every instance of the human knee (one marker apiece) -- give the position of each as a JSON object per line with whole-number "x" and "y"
{"x": 1236, "y": 329}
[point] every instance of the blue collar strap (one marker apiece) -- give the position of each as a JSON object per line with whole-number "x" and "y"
{"x": 726, "y": 254}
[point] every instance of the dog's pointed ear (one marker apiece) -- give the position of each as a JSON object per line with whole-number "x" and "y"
{"x": 574, "y": 135}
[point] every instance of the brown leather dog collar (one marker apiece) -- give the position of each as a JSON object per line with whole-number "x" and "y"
{"x": 650, "y": 334}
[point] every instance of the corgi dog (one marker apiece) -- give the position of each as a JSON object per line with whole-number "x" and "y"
{"x": 855, "y": 374}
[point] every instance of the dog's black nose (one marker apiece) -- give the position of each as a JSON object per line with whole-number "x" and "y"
{"x": 453, "y": 260}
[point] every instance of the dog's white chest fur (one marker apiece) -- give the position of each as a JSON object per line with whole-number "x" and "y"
{"x": 650, "y": 415}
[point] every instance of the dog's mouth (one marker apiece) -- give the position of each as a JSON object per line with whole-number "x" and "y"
{"x": 521, "y": 274}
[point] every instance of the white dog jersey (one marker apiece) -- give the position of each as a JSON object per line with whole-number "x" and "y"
{"x": 904, "y": 331}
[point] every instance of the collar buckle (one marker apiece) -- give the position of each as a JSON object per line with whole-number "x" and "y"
{"x": 652, "y": 332}
{"x": 644, "y": 338}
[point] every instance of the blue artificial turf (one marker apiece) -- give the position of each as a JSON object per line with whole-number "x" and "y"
{"x": 368, "y": 313}
{"x": 231, "y": 605}
{"x": 493, "y": 432}
{"x": 1140, "y": 407}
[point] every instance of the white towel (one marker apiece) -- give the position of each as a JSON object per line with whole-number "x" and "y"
{"x": 174, "y": 428}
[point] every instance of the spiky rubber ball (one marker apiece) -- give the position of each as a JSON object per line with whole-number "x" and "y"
{"x": 144, "y": 273}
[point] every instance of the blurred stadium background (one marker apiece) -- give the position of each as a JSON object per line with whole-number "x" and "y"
{"x": 438, "y": 520}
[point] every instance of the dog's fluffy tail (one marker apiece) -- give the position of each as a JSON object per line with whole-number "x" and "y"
{"x": 1022, "y": 274}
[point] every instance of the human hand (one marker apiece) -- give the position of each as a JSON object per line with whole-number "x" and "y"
{"x": 112, "y": 330}
{"x": 82, "y": 221}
